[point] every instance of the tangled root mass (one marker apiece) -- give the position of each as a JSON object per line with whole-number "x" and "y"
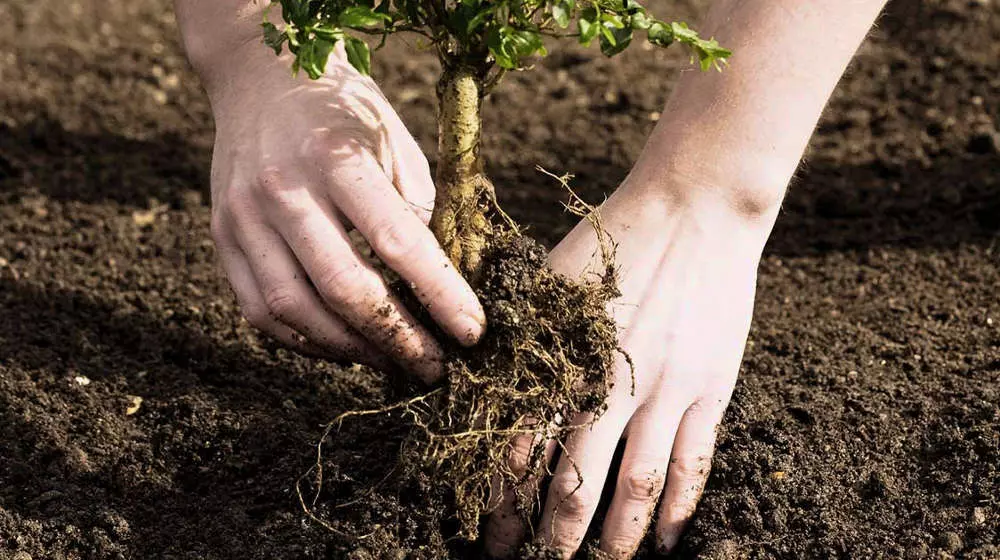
{"x": 415, "y": 477}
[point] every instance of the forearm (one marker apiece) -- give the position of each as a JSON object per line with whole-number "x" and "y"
{"x": 736, "y": 136}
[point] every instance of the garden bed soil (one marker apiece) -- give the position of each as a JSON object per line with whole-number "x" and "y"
{"x": 140, "y": 417}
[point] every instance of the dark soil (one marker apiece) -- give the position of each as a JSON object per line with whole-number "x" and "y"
{"x": 866, "y": 422}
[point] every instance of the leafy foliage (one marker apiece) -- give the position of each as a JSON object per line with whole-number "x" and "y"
{"x": 487, "y": 34}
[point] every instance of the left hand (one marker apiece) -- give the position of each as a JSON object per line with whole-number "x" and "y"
{"x": 687, "y": 275}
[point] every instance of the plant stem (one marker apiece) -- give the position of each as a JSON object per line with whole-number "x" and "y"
{"x": 464, "y": 194}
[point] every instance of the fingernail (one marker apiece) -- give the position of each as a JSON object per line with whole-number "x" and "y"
{"x": 471, "y": 326}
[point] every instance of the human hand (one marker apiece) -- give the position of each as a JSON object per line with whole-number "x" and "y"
{"x": 687, "y": 275}
{"x": 297, "y": 164}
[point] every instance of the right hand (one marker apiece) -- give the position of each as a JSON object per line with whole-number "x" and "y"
{"x": 299, "y": 163}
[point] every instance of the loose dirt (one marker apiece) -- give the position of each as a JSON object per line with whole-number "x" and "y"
{"x": 866, "y": 422}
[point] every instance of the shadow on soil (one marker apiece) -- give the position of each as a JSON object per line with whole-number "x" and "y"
{"x": 830, "y": 207}
{"x": 93, "y": 168}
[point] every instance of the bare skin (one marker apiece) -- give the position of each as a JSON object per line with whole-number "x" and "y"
{"x": 691, "y": 222}
{"x": 297, "y": 164}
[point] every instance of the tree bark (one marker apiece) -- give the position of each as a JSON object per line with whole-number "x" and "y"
{"x": 464, "y": 194}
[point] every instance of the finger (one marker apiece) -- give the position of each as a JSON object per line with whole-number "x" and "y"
{"x": 508, "y": 524}
{"x": 411, "y": 174}
{"x": 290, "y": 299}
{"x": 405, "y": 245}
{"x": 641, "y": 477}
{"x": 402, "y": 160}
{"x": 350, "y": 287}
{"x": 690, "y": 464}
{"x": 252, "y": 305}
{"x": 579, "y": 478}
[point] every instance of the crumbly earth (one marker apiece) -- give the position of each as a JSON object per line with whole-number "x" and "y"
{"x": 866, "y": 422}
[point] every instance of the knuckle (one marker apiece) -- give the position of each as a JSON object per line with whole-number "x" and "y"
{"x": 282, "y": 301}
{"x": 642, "y": 484}
{"x": 574, "y": 499}
{"x": 690, "y": 468}
{"x": 236, "y": 204}
{"x": 272, "y": 186}
{"x": 391, "y": 242}
{"x": 342, "y": 284}
{"x": 341, "y": 142}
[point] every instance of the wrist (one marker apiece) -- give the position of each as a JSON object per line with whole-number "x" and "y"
{"x": 744, "y": 203}
{"x": 220, "y": 35}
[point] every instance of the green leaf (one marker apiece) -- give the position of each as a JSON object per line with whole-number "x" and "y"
{"x": 682, "y": 32}
{"x": 273, "y": 37}
{"x": 561, "y": 11}
{"x": 495, "y": 41}
{"x": 640, "y": 20}
{"x": 331, "y": 34}
{"x": 660, "y": 35}
{"x": 614, "y": 40}
{"x": 293, "y": 11}
{"x": 613, "y": 20}
{"x": 478, "y": 20}
{"x": 589, "y": 28}
{"x": 358, "y": 54}
{"x": 525, "y": 43}
{"x": 313, "y": 57}
{"x": 632, "y": 5}
{"x": 709, "y": 52}
{"x": 361, "y": 16}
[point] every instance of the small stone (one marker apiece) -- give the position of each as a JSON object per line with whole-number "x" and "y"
{"x": 978, "y": 516}
{"x": 135, "y": 402}
{"x": 170, "y": 81}
{"x": 82, "y": 380}
{"x": 779, "y": 475}
{"x": 654, "y": 116}
{"x": 949, "y": 541}
{"x": 160, "y": 97}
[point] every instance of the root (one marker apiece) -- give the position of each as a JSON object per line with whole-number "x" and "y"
{"x": 547, "y": 358}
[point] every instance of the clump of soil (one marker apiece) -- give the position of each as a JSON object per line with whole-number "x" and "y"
{"x": 548, "y": 356}
{"x": 871, "y": 378}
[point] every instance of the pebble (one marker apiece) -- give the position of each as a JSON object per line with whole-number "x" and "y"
{"x": 135, "y": 402}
